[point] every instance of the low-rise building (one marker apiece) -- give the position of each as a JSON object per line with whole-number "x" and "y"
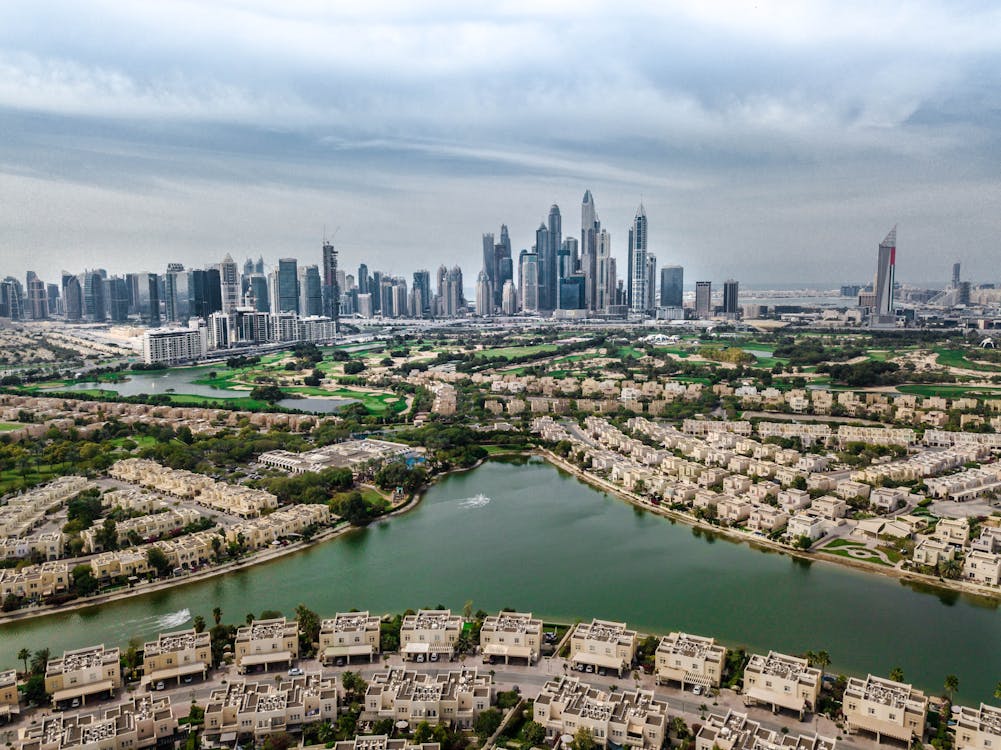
{"x": 690, "y": 660}
{"x": 782, "y": 681}
{"x": 977, "y": 728}
{"x": 183, "y": 654}
{"x": 931, "y": 552}
{"x": 633, "y": 719}
{"x": 257, "y": 709}
{"x": 510, "y": 635}
{"x": 457, "y": 697}
{"x": 9, "y": 699}
{"x": 382, "y": 742}
{"x": 603, "y": 644}
{"x": 348, "y": 634}
{"x": 264, "y": 643}
{"x": 885, "y": 708}
{"x": 983, "y": 568}
{"x": 81, "y": 673}
{"x": 735, "y": 731}
{"x": 431, "y": 634}
{"x": 141, "y": 722}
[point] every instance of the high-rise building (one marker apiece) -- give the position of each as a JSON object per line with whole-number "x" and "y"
{"x": 886, "y": 266}
{"x": 672, "y": 286}
{"x": 703, "y": 299}
{"x": 175, "y": 293}
{"x": 489, "y": 259}
{"x": 257, "y": 293}
{"x": 362, "y": 279}
{"x": 604, "y": 286}
{"x": 530, "y": 281}
{"x": 53, "y": 299}
{"x": 955, "y": 275}
{"x": 422, "y": 290}
{"x": 638, "y": 294}
{"x": 731, "y": 290}
{"x": 502, "y": 268}
{"x": 567, "y": 268}
{"x": 38, "y": 298}
{"x": 259, "y": 265}
{"x": 509, "y": 299}
{"x": 229, "y": 279}
{"x": 119, "y": 299}
{"x": 651, "y": 282}
{"x": 540, "y": 249}
{"x": 94, "y": 300}
{"x": 590, "y": 261}
{"x": 72, "y": 297}
{"x": 310, "y": 291}
{"x": 549, "y": 283}
{"x": 148, "y": 302}
{"x": 12, "y": 299}
{"x": 375, "y": 289}
{"x": 331, "y": 284}
{"x": 484, "y": 295}
{"x": 285, "y": 286}
{"x": 204, "y": 293}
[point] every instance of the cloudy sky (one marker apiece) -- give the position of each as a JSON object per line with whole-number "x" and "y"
{"x": 775, "y": 142}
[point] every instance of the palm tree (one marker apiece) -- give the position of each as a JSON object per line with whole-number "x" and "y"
{"x": 217, "y": 615}
{"x": 897, "y": 674}
{"x": 823, "y": 660}
{"x": 249, "y": 618}
{"x": 24, "y": 654}
{"x": 997, "y": 690}
{"x": 951, "y": 685}
{"x": 199, "y": 624}
{"x": 40, "y": 661}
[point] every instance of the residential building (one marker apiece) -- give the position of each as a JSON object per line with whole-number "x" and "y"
{"x": 638, "y": 271}
{"x": 690, "y": 660}
{"x": 703, "y": 300}
{"x": 977, "y": 728}
{"x": 382, "y": 742}
{"x": 81, "y": 673}
{"x": 626, "y": 719}
{"x": 603, "y": 644}
{"x": 241, "y": 710}
{"x": 349, "y": 634}
{"x": 166, "y": 346}
{"x": 885, "y": 708}
{"x": 735, "y": 731}
{"x": 431, "y": 634}
{"x": 511, "y": 635}
{"x": 983, "y": 568}
{"x": 9, "y": 697}
{"x": 140, "y": 722}
{"x": 267, "y": 642}
{"x": 782, "y": 681}
{"x": 176, "y": 656}
{"x": 883, "y": 313}
{"x": 455, "y": 697}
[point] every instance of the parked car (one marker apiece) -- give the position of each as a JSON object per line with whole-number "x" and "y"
{"x": 160, "y": 685}
{"x": 295, "y": 672}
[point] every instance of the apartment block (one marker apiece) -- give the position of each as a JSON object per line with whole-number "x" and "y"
{"x": 265, "y": 643}
{"x": 382, "y": 742}
{"x": 139, "y": 723}
{"x": 509, "y": 635}
{"x": 603, "y": 644}
{"x": 431, "y": 634}
{"x": 457, "y": 697}
{"x": 9, "y": 700}
{"x": 977, "y": 728}
{"x": 690, "y": 660}
{"x": 781, "y": 681}
{"x": 885, "y": 708}
{"x": 34, "y": 582}
{"x": 735, "y": 731}
{"x": 348, "y": 634}
{"x": 257, "y": 709}
{"x": 175, "y": 656}
{"x": 21, "y": 513}
{"x": 633, "y": 719}
{"x": 81, "y": 673}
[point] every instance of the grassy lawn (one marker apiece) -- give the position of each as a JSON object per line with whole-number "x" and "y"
{"x": 947, "y": 390}
{"x": 956, "y": 358}
{"x": 845, "y": 548}
{"x": 376, "y": 403}
{"x": 509, "y": 352}
{"x": 9, "y": 426}
{"x": 141, "y": 441}
{"x": 12, "y": 478}
{"x": 843, "y": 543}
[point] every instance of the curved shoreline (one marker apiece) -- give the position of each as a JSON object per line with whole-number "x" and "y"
{"x": 905, "y": 576}
{"x": 268, "y": 555}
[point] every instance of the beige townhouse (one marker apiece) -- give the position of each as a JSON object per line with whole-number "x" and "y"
{"x": 689, "y": 660}
{"x": 177, "y": 656}
{"x": 885, "y": 708}
{"x": 430, "y": 635}
{"x": 138, "y": 723}
{"x": 511, "y": 635}
{"x": 266, "y": 643}
{"x": 603, "y": 644}
{"x": 76, "y": 675}
{"x": 456, "y": 697}
{"x": 782, "y": 681}
{"x": 348, "y": 634}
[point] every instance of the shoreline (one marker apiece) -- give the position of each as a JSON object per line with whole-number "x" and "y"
{"x": 905, "y": 576}
{"x": 762, "y": 544}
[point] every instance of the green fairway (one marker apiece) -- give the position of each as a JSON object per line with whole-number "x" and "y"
{"x": 10, "y": 426}
{"x": 948, "y": 390}
{"x": 956, "y": 358}
{"x": 510, "y": 352}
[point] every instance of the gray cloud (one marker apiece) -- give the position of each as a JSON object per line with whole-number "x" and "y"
{"x": 768, "y": 142}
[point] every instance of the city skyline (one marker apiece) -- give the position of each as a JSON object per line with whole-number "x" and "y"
{"x": 780, "y": 154}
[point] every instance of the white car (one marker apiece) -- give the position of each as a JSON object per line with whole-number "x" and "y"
{"x": 295, "y": 672}
{"x": 697, "y": 690}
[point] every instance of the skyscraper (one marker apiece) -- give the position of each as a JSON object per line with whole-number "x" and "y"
{"x": 331, "y": 287}
{"x": 362, "y": 279}
{"x": 589, "y": 261}
{"x": 422, "y": 292}
{"x": 175, "y": 293}
{"x": 484, "y": 295}
{"x": 672, "y": 286}
{"x": 72, "y": 297}
{"x": 149, "y": 298}
{"x": 637, "y": 262}
{"x": 530, "y": 280}
{"x": 38, "y": 300}
{"x": 955, "y": 275}
{"x": 605, "y": 264}
{"x": 651, "y": 282}
{"x": 703, "y": 299}
{"x": 94, "y": 305}
{"x": 285, "y": 286}
{"x": 229, "y": 278}
{"x": 731, "y": 290}
{"x": 489, "y": 259}
{"x": 258, "y": 290}
{"x": 540, "y": 249}
{"x": 886, "y": 265}
{"x": 549, "y": 261}
{"x": 310, "y": 291}
{"x": 118, "y": 299}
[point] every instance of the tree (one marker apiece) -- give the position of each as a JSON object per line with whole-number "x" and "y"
{"x": 217, "y": 615}
{"x": 487, "y": 723}
{"x": 199, "y": 624}
{"x": 534, "y": 734}
{"x": 309, "y": 629}
{"x": 467, "y": 609}
{"x": 804, "y": 542}
{"x": 34, "y": 690}
{"x": 897, "y": 674}
{"x": 158, "y": 561}
{"x": 354, "y": 367}
{"x": 951, "y": 685}
{"x": 84, "y": 582}
{"x": 107, "y": 535}
{"x": 24, "y": 654}
{"x": 40, "y": 661}
{"x": 997, "y": 690}
{"x": 583, "y": 740}
{"x": 353, "y": 684}
{"x": 279, "y": 741}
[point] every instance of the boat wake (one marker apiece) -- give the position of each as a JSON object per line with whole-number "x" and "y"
{"x": 173, "y": 619}
{"x": 474, "y": 502}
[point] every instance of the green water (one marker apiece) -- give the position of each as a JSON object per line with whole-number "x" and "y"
{"x": 547, "y": 543}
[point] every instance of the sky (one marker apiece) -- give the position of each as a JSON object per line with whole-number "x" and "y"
{"x": 772, "y": 142}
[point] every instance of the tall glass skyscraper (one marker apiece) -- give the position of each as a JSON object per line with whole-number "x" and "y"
{"x": 672, "y": 286}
